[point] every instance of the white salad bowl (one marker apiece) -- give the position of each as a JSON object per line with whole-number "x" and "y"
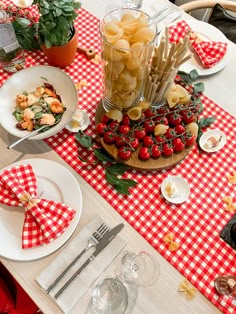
{"x": 28, "y": 80}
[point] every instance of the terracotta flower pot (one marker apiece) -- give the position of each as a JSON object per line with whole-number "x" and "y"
{"x": 62, "y": 55}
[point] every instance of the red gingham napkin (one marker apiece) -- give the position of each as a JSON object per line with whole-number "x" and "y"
{"x": 209, "y": 52}
{"x": 45, "y": 220}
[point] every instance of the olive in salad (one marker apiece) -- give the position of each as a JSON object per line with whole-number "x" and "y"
{"x": 43, "y": 106}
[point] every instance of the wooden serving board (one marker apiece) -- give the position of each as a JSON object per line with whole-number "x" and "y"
{"x": 134, "y": 161}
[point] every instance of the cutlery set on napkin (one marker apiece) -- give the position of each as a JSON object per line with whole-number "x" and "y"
{"x": 66, "y": 290}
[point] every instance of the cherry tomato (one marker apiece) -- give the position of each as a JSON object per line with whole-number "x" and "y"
{"x": 162, "y": 120}
{"x": 148, "y": 141}
{"x": 160, "y": 139}
{"x": 109, "y": 137}
{"x": 155, "y": 152}
{"x": 150, "y": 112}
{"x": 189, "y": 140}
{"x": 120, "y": 141}
{"x": 125, "y": 120}
{"x": 170, "y": 133}
{"x": 140, "y": 133}
{"x": 180, "y": 129}
{"x": 187, "y": 116}
{"x": 174, "y": 118}
{"x": 163, "y": 110}
{"x": 124, "y": 153}
{"x": 167, "y": 150}
{"x": 105, "y": 119}
{"x": 101, "y": 128}
{"x": 124, "y": 129}
{"x": 149, "y": 125}
{"x": 113, "y": 125}
{"x": 134, "y": 142}
{"x": 142, "y": 117}
{"x": 178, "y": 145}
{"x": 144, "y": 153}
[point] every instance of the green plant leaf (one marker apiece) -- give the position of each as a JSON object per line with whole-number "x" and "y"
{"x": 188, "y": 78}
{"x": 198, "y": 88}
{"x": 193, "y": 75}
{"x": 122, "y": 189}
{"x": 205, "y": 122}
{"x": 121, "y": 185}
{"x": 84, "y": 139}
{"x": 101, "y": 155}
{"x": 117, "y": 169}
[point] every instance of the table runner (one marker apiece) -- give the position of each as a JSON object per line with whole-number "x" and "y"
{"x": 196, "y": 224}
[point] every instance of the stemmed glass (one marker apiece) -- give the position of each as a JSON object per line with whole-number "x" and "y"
{"x": 137, "y": 268}
{"x": 118, "y": 295}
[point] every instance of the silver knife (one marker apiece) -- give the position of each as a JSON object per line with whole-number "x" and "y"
{"x": 108, "y": 237}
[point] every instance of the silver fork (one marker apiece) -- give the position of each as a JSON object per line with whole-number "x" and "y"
{"x": 93, "y": 240}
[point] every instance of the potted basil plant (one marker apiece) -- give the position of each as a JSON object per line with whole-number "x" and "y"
{"x": 56, "y": 32}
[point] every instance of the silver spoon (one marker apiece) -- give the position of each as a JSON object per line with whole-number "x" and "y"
{"x": 30, "y": 134}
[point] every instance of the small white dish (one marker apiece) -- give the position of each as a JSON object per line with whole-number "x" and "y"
{"x": 212, "y": 140}
{"x": 79, "y": 121}
{"x": 181, "y": 187}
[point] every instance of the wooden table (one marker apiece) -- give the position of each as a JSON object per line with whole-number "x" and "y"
{"x": 163, "y": 296}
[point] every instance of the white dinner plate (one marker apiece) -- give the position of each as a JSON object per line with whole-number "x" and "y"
{"x": 207, "y": 32}
{"x": 216, "y": 134}
{"x": 54, "y": 182}
{"x": 182, "y": 187}
{"x": 27, "y": 80}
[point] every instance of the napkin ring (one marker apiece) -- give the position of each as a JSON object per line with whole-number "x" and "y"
{"x": 28, "y": 201}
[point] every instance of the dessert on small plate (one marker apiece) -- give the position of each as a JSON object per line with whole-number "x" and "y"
{"x": 79, "y": 121}
{"x": 175, "y": 189}
{"x": 212, "y": 140}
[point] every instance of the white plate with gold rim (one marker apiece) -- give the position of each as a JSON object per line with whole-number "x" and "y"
{"x": 54, "y": 182}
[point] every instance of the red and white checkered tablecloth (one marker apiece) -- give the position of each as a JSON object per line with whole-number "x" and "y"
{"x": 196, "y": 224}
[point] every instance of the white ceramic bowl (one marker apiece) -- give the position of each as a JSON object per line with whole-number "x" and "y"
{"x": 216, "y": 134}
{"x": 182, "y": 186}
{"x": 27, "y": 80}
{"x": 81, "y": 119}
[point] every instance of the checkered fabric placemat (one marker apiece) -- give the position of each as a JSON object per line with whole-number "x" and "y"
{"x": 196, "y": 224}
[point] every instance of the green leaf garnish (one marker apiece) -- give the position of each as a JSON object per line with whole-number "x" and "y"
{"x": 102, "y": 155}
{"x": 84, "y": 139}
{"x": 198, "y": 88}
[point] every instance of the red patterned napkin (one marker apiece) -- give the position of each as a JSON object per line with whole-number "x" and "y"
{"x": 209, "y": 52}
{"x": 45, "y": 220}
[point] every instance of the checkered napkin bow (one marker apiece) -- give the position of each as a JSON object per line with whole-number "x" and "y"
{"x": 209, "y": 52}
{"x": 45, "y": 220}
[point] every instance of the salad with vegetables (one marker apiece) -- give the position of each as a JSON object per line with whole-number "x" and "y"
{"x": 43, "y": 106}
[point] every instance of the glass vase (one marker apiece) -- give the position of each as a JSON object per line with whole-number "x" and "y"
{"x": 127, "y": 40}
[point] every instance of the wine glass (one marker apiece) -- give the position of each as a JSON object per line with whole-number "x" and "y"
{"x": 108, "y": 297}
{"x": 137, "y": 268}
